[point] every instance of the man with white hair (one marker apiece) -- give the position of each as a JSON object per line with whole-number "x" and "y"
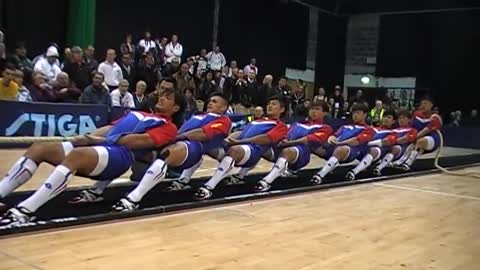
{"x": 121, "y": 97}
{"x": 376, "y": 114}
{"x": 64, "y": 90}
{"x": 48, "y": 66}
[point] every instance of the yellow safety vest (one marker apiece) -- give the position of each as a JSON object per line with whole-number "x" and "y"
{"x": 374, "y": 110}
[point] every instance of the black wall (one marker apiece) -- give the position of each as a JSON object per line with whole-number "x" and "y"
{"x": 440, "y": 49}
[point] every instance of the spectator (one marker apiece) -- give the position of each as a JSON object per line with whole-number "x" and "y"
{"x": 64, "y": 90}
{"x": 111, "y": 70}
{"x": 338, "y": 103}
{"x": 146, "y": 44}
{"x": 233, "y": 65}
{"x": 251, "y": 66}
{"x": 359, "y": 98}
{"x": 96, "y": 93}
{"x": 183, "y": 78}
{"x": 264, "y": 90}
{"x": 228, "y": 86}
{"x": 298, "y": 97}
{"x": 301, "y": 110}
{"x": 128, "y": 71}
{"x": 394, "y": 105}
{"x": 282, "y": 90}
{"x": 216, "y": 59}
{"x": 174, "y": 50}
{"x": 22, "y": 60}
{"x": 191, "y": 107}
{"x": 321, "y": 95}
{"x": 121, "y": 97}
{"x": 8, "y": 88}
{"x": 139, "y": 93}
{"x": 192, "y": 68}
{"x": 67, "y": 56}
{"x": 207, "y": 87}
{"x": 202, "y": 62}
{"x": 23, "y": 92}
{"x": 473, "y": 120}
{"x": 161, "y": 50}
{"x": 40, "y": 90}
{"x": 250, "y": 99}
{"x": 48, "y": 66}
{"x": 259, "y": 113}
{"x": 127, "y": 47}
{"x": 239, "y": 90}
{"x": 149, "y": 72}
{"x": 77, "y": 69}
{"x": 376, "y": 114}
{"x": 89, "y": 58}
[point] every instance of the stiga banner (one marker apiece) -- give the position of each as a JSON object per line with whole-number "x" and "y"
{"x": 50, "y": 119}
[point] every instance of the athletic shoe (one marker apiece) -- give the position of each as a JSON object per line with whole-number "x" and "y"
{"x": 350, "y": 176}
{"x": 377, "y": 172}
{"x": 17, "y": 216}
{"x": 177, "y": 185}
{"x": 203, "y": 193}
{"x": 404, "y": 167}
{"x": 289, "y": 173}
{"x": 262, "y": 186}
{"x": 125, "y": 205}
{"x": 86, "y": 196}
{"x": 234, "y": 180}
{"x": 316, "y": 180}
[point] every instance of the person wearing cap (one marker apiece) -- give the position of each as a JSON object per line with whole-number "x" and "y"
{"x": 48, "y": 66}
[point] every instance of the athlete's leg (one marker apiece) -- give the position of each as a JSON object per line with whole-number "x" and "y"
{"x": 395, "y": 152}
{"x": 340, "y": 154}
{"x": 372, "y": 155}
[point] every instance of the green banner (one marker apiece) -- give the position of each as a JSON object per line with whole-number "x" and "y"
{"x": 81, "y": 23}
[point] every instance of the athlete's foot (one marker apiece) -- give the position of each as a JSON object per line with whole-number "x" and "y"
{"x": 262, "y": 186}
{"x": 377, "y": 172}
{"x": 289, "y": 173}
{"x": 86, "y": 196}
{"x": 17, "y": 216}
{"x": 350, "y": 176}
{"x": 404, "y": 167}
{"x": 316, "y": 180}
{"x": 203, "y": 193}
{"x": 234, "y": 180}
{"x": 181, "y": 184}
{"x": 125, "y": 205}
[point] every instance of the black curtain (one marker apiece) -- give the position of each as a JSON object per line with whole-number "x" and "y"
{"x": 38, "y": 23}
{"x": 190, "y": 20}
{"x": 330, "y": 60}
{"x": 298, "y": 24}
{"x": 439, "y": 49}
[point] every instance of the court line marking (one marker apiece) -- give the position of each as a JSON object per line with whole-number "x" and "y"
{"x": 428, "y": 191}
{"x": 21, "y": 261}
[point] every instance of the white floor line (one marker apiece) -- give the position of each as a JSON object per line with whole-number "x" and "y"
{"x": 429, "y": 191}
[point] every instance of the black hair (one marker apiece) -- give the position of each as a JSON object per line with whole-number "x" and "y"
{"x": 391, "y": 113}
{"x": 282, "y": 101}
{"x": 20, "y": 44}
{"x": 170, "y": 80}
{"x": 188, "y": 88}
{"x": 179, "y": 97}
{"x": 321, "y": 103}
{"x": 360, "y": 107}
{"x": 404, "y": 112}
{"x": 98, "y": 73}
{"x": 218, "y": 94}
{"x": 428, "y": 98}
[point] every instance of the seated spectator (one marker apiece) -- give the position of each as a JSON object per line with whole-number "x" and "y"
{"x": 216, "y": 59}
{"x": 321, "y": 95}
{"x": 23, "y": 92}
{"x": 358, "y": 98}
{"x": 128, "y": 70}
{"x": 298, "y": 96}
{"x": 3, "y": 55}
{"x": 40, "y": 90}
{"x": 8, "y": 87}
{"x": 250, "y": 99}
{"x": 174, "y": 50}
{"x": 251, "y": 66}
{"x": 473, "y": 120}
{"x": 376, "y": 114}
{"x": 301, "y": 110}
{"x": 149, "y": 72}
{"x": 206, "y": 88}
{"x": 259, "y": 113}
{"x": 96, "y": 93}
{"x": 65, "y": 90}
{"x": 264, "y": 90}
{"x": 233, "y": 65}
{"x": 191, "y": 108}
{"x": 111, "y": 70}
{"x": 146, "y": 44}
{"x": 239, "y": 95}
{"x": 127, "y": 47}
{"x": 184, "y": 79}
{"x": 121, "y": 97}
{"x": 48, "y": 66}
{"x": 78, "y": 70}
{"x": 23, "y": 62}
{"x": 67, "y": 56}
{"x": 139, "y": 93}
{"x": 89, "y": 57}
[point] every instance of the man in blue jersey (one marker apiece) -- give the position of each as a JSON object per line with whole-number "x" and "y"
{"x": 247, "y": 147}
{"x": 303, "y": 138}
{"x": 106, "y": 155}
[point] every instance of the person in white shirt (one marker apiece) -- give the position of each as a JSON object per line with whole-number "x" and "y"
{"x": 111, "y": 70}
{"x": 147, "y": 43}
{"x": 174, "y": 50}
{"x": 216, "y": 59}
{"x": 233, "y": 65}
{"x": 121, "y": 97}
{"x": 48, "y": 66}
{"x": 251, "y": 66}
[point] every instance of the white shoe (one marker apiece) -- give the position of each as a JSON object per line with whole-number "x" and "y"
{"x": 17, "y": 216}
{"x": 125, "y": 205}
{"x": 350, "y": 176}
{"x": 234, "y": 180}
{"x": 203, "y": 193}
{"x": 86, "y": 196}
{"x": 262, "y": 186}
{"x": 316, "y": 180}
{"x": 181, "y": 184}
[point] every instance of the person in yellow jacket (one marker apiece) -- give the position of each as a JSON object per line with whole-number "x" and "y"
{"x": 8, "y": 88}
{"x": 376, "y": 113}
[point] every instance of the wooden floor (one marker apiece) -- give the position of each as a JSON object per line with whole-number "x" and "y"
{"x": 8, "y": 157}
{"x": 428, "y": 222}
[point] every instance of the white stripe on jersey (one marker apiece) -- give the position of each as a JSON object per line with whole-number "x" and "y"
{"x": 309, "y": 127}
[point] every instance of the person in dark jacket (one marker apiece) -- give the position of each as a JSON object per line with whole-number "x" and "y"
{"x": 96, "y": 93}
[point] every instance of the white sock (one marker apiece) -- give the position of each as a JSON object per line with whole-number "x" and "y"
{"x": 223, "y": 170}
{"x": 332, "y": 163}
{"x": 244, "y": 171}
{"x": 20, "y": 173}
{"x": 155, "y": 173}
{"x": 55, "y": 184}
{"x": 385, "y": 161}
{"x": 401, "y": 160}
{"x": 100, "y": 186}
{"x": 364, "y": 163}
{"x": 279, "y": 167}
{"x": 188, "y": 173}
{"x": 413, "y": 156}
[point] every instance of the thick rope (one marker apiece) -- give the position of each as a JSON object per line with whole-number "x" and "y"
{"x": 29, "y": 140}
